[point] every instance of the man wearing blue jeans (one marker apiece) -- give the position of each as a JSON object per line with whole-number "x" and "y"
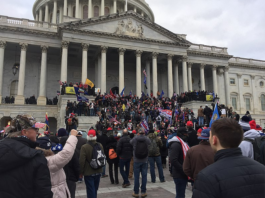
{"x": 140, "y": 158}
{"x": 125, "y": 151}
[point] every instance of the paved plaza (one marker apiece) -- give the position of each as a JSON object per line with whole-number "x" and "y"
{"x": 108, "y": 190}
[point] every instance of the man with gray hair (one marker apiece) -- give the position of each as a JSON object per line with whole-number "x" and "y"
{"x": 140, "y": 157}
{"x": 22, "y": 166}
{"x": 125, "y": 151}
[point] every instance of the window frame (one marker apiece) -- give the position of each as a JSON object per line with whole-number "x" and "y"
{"x": 234, "y": 81}
{"x": 249, "y": 99}
{"x": 262, "y": 102}
{"x": 246, "y": 85}
{"x": 234, "y": 97}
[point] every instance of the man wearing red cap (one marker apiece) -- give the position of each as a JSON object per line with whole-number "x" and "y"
{"x": 192, "y": 135}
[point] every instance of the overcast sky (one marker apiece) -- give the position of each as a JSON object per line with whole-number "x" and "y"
{"x": 238, "y": 25}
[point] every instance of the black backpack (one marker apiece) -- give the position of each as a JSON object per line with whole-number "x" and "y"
{"x": 98, "y": 159}
{"x": 141, "y": 150}
{"x": 258, "y": 148}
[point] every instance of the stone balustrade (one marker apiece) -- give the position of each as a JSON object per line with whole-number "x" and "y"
{"x": 26, "y": 23}
{"x": 247, "y": 61}
{"x": 208, "y": 48}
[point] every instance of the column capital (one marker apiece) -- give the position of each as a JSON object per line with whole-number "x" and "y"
{"x": 121, "y": 51}
{"x": 44, "y": 48}
{"x": 227, "y": 68}
{"x": 170, "y": 56}
{"x": 183, "y": 59}
{"x": 221, "y": 71}
{"x": 239, "y": 75}
{"x": 85, "y": 46}
{"x": 215, "y": 67}
{"x": 190, "y": 64}
{"x": 252, "y": 77}
{"x": 23, "y": 46}
{"x": 104, "y": 49}
{"x": 155, "y": 54}
{"x": 65, "y": 44}
{"x": 2, "y": 44}
{"x": 138, "y": 53}
{"x": 202, "y": 66}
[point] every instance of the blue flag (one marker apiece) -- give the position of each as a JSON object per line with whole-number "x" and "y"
{"x": 162, "y": 93}
{"x": 215, "y": 115}
{"x": 145, "y": 80}
{"x": 213, "y": 95}
{"x": 122, "y": 92}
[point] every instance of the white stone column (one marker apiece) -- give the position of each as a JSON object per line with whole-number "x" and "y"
{"x": 43, "y": 76}
{"x": 102, "y": 13}
{"x": 121, "y": 69}
{"x": 240, "y": 94}
{"x": 155, "y": 83}
{"x": 65, "y": 8}
{"x": 40, "y": 15}
{"x": 135, "y": 9}
{"x": 254, "y": 95}
{"x": 37, "y": 17}
{"x": 148, "y": 73}
{"x": 54, "y": 14}
{"x": 77, "y": 9}
{"x": 99, "y": 71}
{"x": 46, "y": 13}
{"x": 64, "y": 61}
{"x": 190, "y": 76}
{"x": 115, "y": 6}
{"x": 89, "y": 8}
{"x": 104, "y": 69}
{"x": 138, "y": 73}
{"x": 202, "y": 77}
{"x": 20, "y": 99}
{"x": 142, "y": 13}
{"x": 176, "y": 77}
{"x": 215, "y": 89}
{"x": 184, "y": 73}
{"x": 61, "y": 14}
{"x": 70, "y": 10}
{"x": 125, "y": 6}
{"x": 84, "y": 62}
{"x": 2, "y": 57}
{"x": 227, "y": 87}
{"x": 169, "y": 75}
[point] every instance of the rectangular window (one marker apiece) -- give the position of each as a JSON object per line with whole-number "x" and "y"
{"x": 248, "y": 104}
{"x": 246, "y": 82}
{"x": 234, "y": 103}
{"x": 232, "y": 81}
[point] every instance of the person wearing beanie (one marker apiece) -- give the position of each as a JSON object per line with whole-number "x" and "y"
{"x": 56, "y": 162}
{"x": 91, "y": 176}
{"x": 61, "y": 132}
{"x": 244, "y": 123}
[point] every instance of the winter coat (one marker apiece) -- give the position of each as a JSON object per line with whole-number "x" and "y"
{"x": 134, "y": 141}
{"x": 103, "y": 139}
{"x": 112, "y": 143}
{"x": 163, "y": 149}
{"x": 207, "y": 111}
{"x": 197, "y": 158}
{"x": 176, "y": 159}
{"x": 80, "y": 142}
{"x": 56, "y": 164}
{"x": 231, "y": 176}
{"x": 124, "y": 148}
{"x": 246, "y": 146}
{"x": 159, "y": 143}
{"x": 200, "y": 112}
{"x": 23, "y": 169}
{"x": 192, "y": 137}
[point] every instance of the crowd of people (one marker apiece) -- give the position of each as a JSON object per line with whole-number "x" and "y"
{"x": 30, "y": 100}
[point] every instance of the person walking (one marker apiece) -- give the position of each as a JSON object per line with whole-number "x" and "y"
{"x": 232, "y": 175}
{"x": 154, "y": 156}
{"x": 23, "y": 168}
{"x": 80, "y": 142}
{"x": 140, "y": 156}
{"x": 112, "y": 159}
{"x": 91, "y": 176}
{"x": 125, "y": 152}
{"x": 200, "y": 116}
{"x": 164, "y": 150}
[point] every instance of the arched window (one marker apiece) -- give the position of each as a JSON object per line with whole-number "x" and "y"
{"x": 13, "y": 88}
{"x": 106, "y": 11}
{"x": 85, "y": 12}
{"x": 58, "y": 16}
{"x": 74, "y": 11}
{"x": 262, "y": 102}
{"x": 96, "y": 11}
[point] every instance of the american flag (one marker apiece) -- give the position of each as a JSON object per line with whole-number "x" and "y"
{"x": 145, "y": 125}
{"x": 111, "y": 119}
{"x": 144, "y": 72}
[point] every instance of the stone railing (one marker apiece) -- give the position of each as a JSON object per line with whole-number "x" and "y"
{"x": 208, "y": 48}
{"x": 26, "y": 23}
{"x": 247, "y": 61}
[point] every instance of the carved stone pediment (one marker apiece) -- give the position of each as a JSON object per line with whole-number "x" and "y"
{"x": 127, "y": 27}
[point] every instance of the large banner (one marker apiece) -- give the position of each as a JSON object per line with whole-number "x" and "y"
{"x": 209, "y": 98}
{"x": 70, "y": 90}
{"x": 165, "y": 113}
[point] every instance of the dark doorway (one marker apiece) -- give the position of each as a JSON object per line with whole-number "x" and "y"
{"x": 115, "y": 90}
{"x": 4, "y": 122}
{"x": 53, "y": 124}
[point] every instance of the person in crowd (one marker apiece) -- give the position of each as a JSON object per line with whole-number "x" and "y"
{"x": 164, "y": 150}
{"x": 244, "y": 123}
{"x": 154, "y": 156}
{"x": 192, "y": 135}
{"x": 235, "y": 116}
{"x": 249, "y": 136}
{"x": 91, "y": 176}
{"x": 23, "y": 168}
{"x": 198, "y": 157}
{"x": 131, "y": 163}
{"x": 200, "y": 116}
{"x": 125, "y": 152}
{"x": 207, "y": 112}
{"x": 112, "y": 159}
{"x": 103, "y": 139}
{"x": 221, "y": 179}
{"x": 248, "y": 115}
{"x": 140, "y": 145}
{"x": 56, "y": 162}
{"x": 177, "y": 152}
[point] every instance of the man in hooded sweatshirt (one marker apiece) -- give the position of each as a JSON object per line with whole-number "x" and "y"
{"x": 249, "y": 136}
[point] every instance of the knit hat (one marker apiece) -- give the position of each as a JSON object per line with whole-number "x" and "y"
{"x": 205, "y": 134}
{"x": 252, "y": 124}
{"x": 109, "y": 129}
{"x": 158, "y": 131}
{"x": 91, "y": 135}
{"x": 45, "y": 143}
{"x": 189, "y": 124}
{"x": 134, "y": 132}
{"x": 245, "y": 119}
{"x": 62, "y": 132}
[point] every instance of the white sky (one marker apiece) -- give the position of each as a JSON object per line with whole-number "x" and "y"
{"x": 238, "y": 25}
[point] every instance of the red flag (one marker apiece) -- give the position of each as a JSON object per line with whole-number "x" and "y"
{"x": 111, "y": 93}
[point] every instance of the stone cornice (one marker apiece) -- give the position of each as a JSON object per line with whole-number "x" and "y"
{"x": 242, "y": 65}
{"x": 208, "y": 54}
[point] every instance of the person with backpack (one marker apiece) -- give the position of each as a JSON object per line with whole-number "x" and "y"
{"x": 112, "y": 159}
{"x": 154, "y": 156}
{"x": 125, "y": 152}
{"x": 92, "y": 159}
{"x": 103, "y": 139}
{"x": 140, "y": 156}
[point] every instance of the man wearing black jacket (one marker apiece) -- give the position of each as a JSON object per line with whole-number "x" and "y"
{"x": 231, "y": 175}
{"x": 24, "y": 171}
{"x": 103, "y": 139}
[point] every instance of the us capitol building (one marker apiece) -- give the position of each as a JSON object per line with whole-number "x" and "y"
{"x": 111, "y": 42}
